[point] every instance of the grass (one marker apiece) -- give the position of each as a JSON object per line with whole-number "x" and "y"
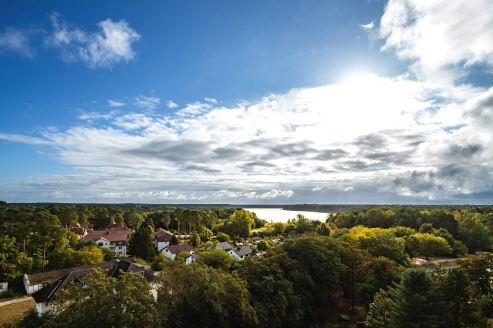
{"x": 15, "y": 312}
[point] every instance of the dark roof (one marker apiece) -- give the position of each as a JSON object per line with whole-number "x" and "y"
{"x": 78, "y": 230}
{"x": 242, "y": 250}
{"x": 39, "y": 278}
{"x": 224, "y": 246}
{"x": 47, "y": 293}
{"x": 175, "y": 249}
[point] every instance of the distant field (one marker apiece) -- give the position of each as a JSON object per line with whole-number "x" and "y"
{"x": 15, "y": 312}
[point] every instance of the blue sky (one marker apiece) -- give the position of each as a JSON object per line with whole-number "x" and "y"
{"x": 246, "y": 101}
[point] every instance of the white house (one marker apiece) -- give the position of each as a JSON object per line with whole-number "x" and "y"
{"x": 192, "y": 258}
{"x": 113, "y": 236}
{"x": 171, "y": 251}
{"x": 44, "y": 296}
{"x": 4, "y": 287}
{"x": 35, "y": 282}
{"x": 241, "y": 252}
{"x": 162, "y": 239}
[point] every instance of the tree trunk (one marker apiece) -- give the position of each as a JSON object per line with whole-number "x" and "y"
{"x": 44, "y": 257}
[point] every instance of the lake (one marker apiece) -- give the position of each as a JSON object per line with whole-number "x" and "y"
{"x": 280, "y": 215}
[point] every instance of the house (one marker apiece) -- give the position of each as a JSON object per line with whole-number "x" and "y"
{"x": 192, "y": 258}
{"x": 225, "y": 246}
{"x": 79, "y": 231}
{"x": 171, "y": 251}
{"x": 114, "y": 237}
{"x": 241, "y": 252}
{"x": 4, "y": 287}
{"x": 35, "y": 282}
{"x": 44, "y": 296}
{"x": 162, "y": 239}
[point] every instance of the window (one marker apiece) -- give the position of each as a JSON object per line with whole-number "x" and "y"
{"x": 119, "y": 247}
{"x": 1, "y": 286}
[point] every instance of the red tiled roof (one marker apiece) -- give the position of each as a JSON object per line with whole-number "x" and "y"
{"x": 163, "y": 236}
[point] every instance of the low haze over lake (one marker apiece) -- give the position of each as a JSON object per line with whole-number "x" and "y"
{"x": 280, "y": 215}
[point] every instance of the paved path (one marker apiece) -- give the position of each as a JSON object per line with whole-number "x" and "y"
{"x": 17, "y": 300}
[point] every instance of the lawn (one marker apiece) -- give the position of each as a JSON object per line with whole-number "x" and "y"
{"x": 15, "y": 312}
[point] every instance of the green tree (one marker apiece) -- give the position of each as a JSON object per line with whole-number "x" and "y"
{"x": 274, "y": 296}
{"x": 379, "y": 314}
{"x": 474, "y": 234}
{"x": 462, "y": 295}
{"x": 263, "y": 245}
{"x": 68, "y": 216}
{"x": 195, "y": 239}
{"x": 430, "y": 245}
{"x": 199, "y": 296}
{"x": 108, "y": 253}
{"x": 48, "y": 231}
{"x": 323, "y": 230}
{"x": 204, "y": 233}
{"x": 223, "y": 237}
{"x": 479, "y": 269}
{"x": 240, "y": 223}
{"x": 141, "y": 244}
{"x": 133, "y": 218}
{"x": 123, "y": 302}
{"x": 116, "y": 216}
{"x": 416, "y": 302}
{"x": 12, "y": 262}
{"x": 217, "y": 259}
{"x": 320, "y": 258}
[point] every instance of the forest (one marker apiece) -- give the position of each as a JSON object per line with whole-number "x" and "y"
{"x": 364, "y": 256}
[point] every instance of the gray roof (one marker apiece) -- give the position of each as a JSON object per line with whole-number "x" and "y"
{"x": 225, "y": 246}
{"x": 47, "y": 293}
{"x": 242, "y": 250}
{"x": 39, "y": 278}
{"x": 175, "y": 249}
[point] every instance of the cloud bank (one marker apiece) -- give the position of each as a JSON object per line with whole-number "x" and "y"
{"x": 370, "y": 136}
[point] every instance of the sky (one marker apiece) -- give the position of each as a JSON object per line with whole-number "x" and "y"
{"x": 247, "y": 102}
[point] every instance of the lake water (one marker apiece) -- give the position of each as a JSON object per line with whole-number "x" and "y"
{"x": 280, "y": 215}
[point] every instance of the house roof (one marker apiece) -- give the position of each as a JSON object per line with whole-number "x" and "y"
{"x": 38, "y": 278}
{"x": 78, "y": 230}
{"x": 225, "y": 246}
{"x": 175, "y": 249}
{"x": 106, "y": 237}
{"x": 163, "y": 236}
{"x": 47, "y": 293}
{"x": 242, "y": 250}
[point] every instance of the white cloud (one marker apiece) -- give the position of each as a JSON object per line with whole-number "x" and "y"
{"x": 368, "y": 26}
{"x": 112, "y": 103}
{"x": 439, "y": 35}
{"x": 171, "y": 104}
{"x": 275, "y": 193}
{"x": 146, "y": 102}
{"x": 365, "y": 136}
{"x": 95, "y": 115}
{"x": 105, "y": 48}
{"x": 211, "y": 100}
{"x": 14, "y": 40}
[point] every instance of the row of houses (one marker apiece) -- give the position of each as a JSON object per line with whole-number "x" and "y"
{"x": 44, "y": 286}
{"x": 59, "y": 279}
{"x": 162, "y": 240}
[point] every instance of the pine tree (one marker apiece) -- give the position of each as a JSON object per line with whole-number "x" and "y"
{"x": 416, "y": 301}
{"x": 141, "y": 244}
